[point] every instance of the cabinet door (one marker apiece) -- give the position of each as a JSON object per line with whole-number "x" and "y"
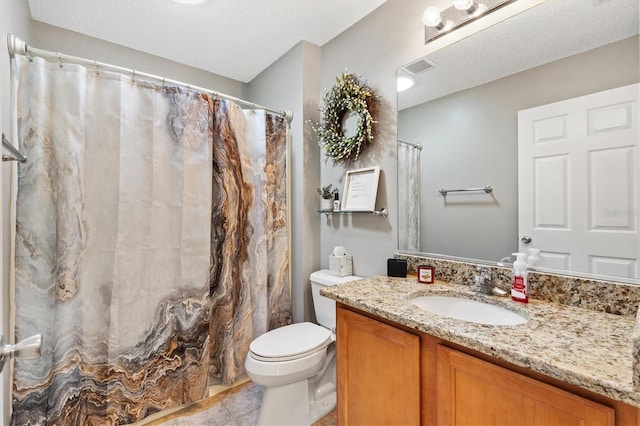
{"x": 475, "y": 392}
{"x": 378, "y": 372}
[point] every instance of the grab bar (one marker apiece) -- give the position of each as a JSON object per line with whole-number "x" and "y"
{"x": 445, "y": 191}
{"x": 12, "y": 149}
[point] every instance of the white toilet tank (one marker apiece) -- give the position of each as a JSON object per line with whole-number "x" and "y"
{"x": 326, "y": 308}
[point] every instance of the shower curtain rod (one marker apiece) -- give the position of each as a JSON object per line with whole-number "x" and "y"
{"x": 17, "y": 46}
{"x": 413, "y": 145}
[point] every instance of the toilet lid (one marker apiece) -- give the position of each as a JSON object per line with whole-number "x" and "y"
{"x": 291, "y": 341}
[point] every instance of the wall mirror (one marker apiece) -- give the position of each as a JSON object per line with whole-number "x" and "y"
{"x": 458, "y": 128}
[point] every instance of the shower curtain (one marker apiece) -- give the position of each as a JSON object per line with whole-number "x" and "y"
{"x": 408, "y": 197}
{"x": 150, "y": 243}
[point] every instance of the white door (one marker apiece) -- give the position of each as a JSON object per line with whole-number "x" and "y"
{"x": 578, "y": 185}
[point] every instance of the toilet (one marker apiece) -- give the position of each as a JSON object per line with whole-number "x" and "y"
{"x": 296, "y": 363}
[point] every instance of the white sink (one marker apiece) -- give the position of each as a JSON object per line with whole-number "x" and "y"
{"x": 468, "y": 310}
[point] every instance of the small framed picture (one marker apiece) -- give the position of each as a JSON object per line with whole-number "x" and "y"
{"x": 426, "y": 274}
{"x": 361, "y": 189}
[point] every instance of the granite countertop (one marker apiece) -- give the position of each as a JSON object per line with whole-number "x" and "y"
{"x": 589, "y": 349}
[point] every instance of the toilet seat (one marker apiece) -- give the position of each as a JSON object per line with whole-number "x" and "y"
{"x": 290, "y": 342}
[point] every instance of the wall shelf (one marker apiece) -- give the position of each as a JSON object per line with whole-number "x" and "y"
{"x": 382, "y": 212}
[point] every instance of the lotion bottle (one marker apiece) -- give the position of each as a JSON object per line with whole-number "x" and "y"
{"x": 519, "y": 283}
{"x": 336, "y": 201}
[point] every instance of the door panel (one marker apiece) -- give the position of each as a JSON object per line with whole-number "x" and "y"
{"x": 611, "y": 173}
{"x": 618, "y": 267}
{"x": 551, "y": 191}
{"x": 610, "y": 118}
{"x": 555, "y": 260}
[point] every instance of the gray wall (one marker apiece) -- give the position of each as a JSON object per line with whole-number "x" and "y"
{"x": 366, "y": 50}
{"x": 374, "y": 48}
{"x": 470, "y": 140}
{"x": 293, "y": 82}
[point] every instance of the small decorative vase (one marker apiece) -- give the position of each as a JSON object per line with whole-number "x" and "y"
{"x": 326, "y": 204}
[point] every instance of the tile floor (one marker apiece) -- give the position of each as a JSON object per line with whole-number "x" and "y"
{"x": 237, "y": 406}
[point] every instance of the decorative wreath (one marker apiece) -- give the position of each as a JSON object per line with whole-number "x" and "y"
{"x": 348, "y": 95}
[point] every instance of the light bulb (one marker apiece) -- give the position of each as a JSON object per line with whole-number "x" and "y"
{"x": 431, "y": 18}
{"x": 469, "y": 6}
{"x": 463, "y": 4}
{"x": 404, "y": 82}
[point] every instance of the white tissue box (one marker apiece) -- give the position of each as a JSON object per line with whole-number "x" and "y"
{"x": 341, "y": 265}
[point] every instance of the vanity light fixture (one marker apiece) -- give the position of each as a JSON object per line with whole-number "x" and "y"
{"x": 462, "y": 12}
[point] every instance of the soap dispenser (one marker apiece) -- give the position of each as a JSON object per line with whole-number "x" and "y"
{"x": 534, "y": 257}
{"x": 519, "y": 283}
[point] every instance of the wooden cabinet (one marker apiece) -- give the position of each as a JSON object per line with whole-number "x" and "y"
{"x": 472, "y": 391}
{"x": 378, "y": 372}
{"x": 390, "y": 375}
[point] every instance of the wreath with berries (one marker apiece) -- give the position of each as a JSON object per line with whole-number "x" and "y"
{"x": 350, "y": 95}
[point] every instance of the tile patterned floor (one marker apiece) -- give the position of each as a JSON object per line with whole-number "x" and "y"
{"x": 238, "y": 406}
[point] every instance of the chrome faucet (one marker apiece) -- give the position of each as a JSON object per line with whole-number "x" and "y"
{"x": 482, "y": 282}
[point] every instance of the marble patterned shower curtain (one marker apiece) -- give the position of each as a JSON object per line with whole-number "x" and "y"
{"x": 408, "y": 197}
{"x": 137, "y": 214}
{"x": 249, "y": 297}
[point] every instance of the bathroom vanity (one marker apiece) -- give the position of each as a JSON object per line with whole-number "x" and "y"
{"x": 400, "y": 364}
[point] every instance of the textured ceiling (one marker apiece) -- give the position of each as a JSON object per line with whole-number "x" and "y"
{"x": 234, "y": 38}
{"x": 548, "y": 32}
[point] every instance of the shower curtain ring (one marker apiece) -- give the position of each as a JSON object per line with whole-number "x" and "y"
{"x": 164, "y": 82}
{"x": 133, "y": 76}
{"x": 59, "y": 60}
{"x": 97, "y": 68}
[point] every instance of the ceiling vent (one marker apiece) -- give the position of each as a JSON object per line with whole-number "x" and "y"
{"x": 419, "y": 66}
